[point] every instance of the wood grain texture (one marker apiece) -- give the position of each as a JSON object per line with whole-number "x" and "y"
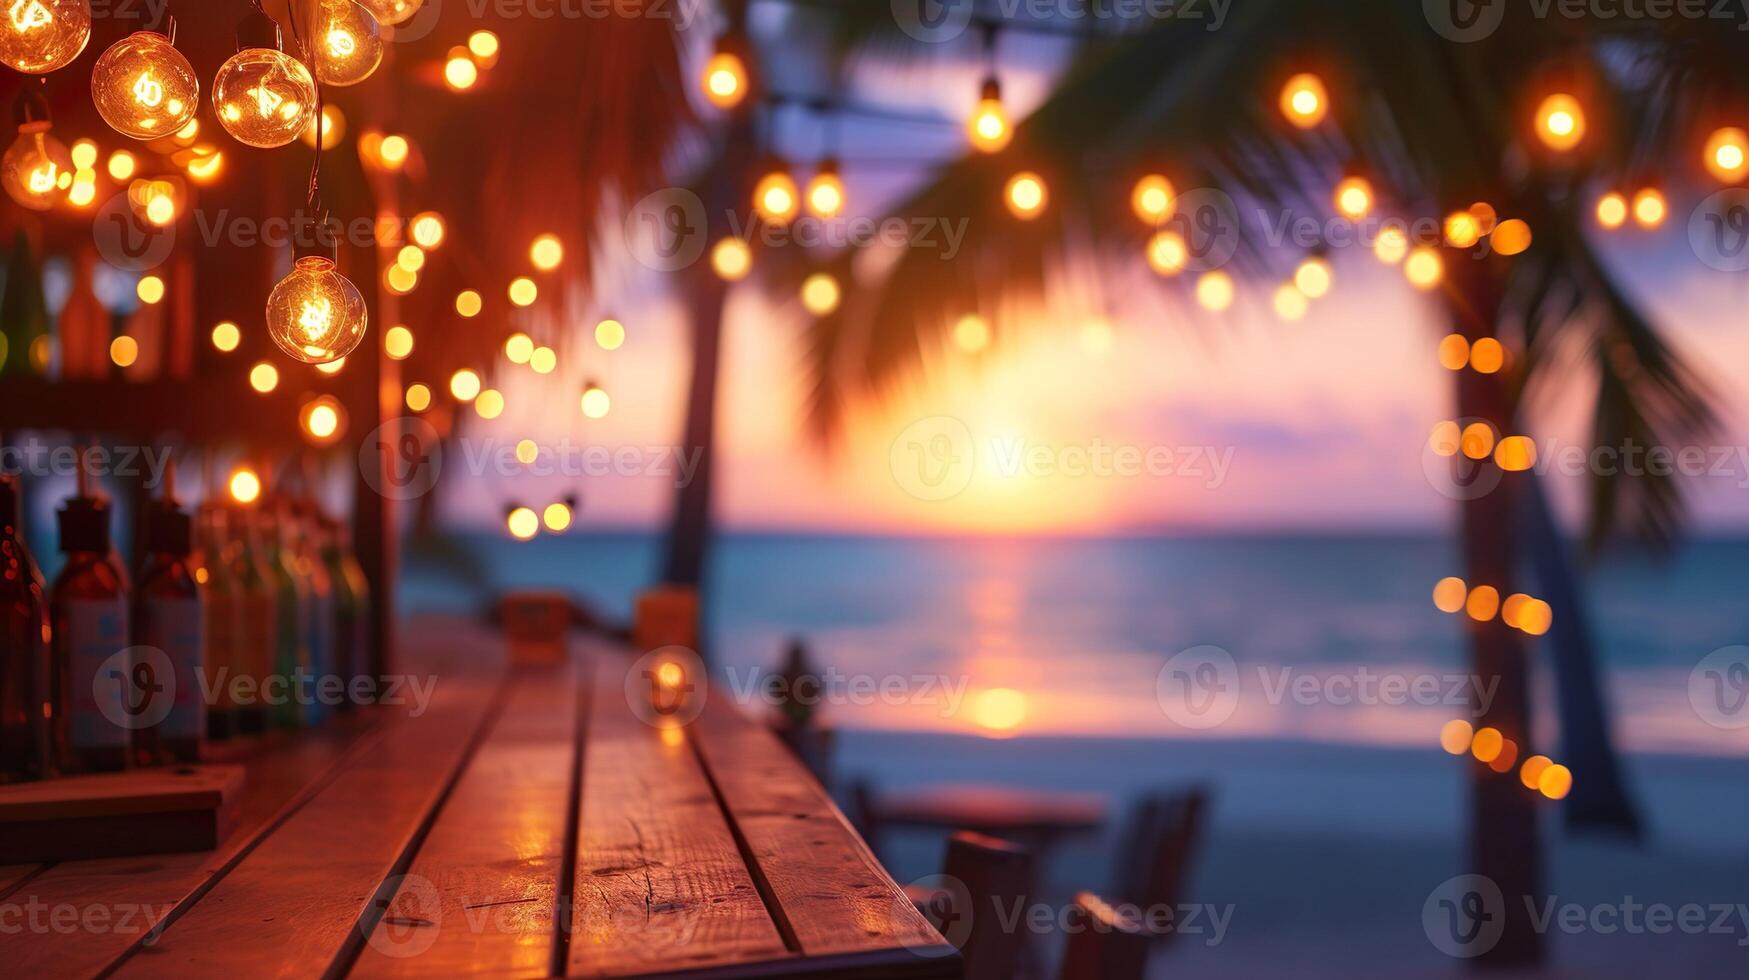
{"x": 480, "y": 895}
{"x": 289, "y": 908}
{"x": 832, "y": 895}
{"x": 660, "y": 884}
{"x": 12, "y": 875}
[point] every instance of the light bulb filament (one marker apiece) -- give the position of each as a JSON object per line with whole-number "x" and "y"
{"x": 341, "y": 44}
{"x": 44, "y": 178}
{"x": 28, "y": 15}
{"x": 266, "y": 100}
{"x": 317, "y": 318}
{"x": 148, "y": 91}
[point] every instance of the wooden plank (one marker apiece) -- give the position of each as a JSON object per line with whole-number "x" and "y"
{"x": 661, "y": 885}
{"x": 292, "y": 905}
{"x": 12, "y": 875}
{"x": 831, "y": 894}
{"x": 144, "y": 890}
{"x": 481, "y": 893}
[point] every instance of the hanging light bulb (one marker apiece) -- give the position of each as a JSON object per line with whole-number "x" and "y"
{"x": 263, "y": 96}
{"x": 323, "y": 420}
{"x": 595, "y": 402}
{"x": 143, "y": 87}
{"x": 349, "y": 43}
{"x": 1353, "y": 198}
{"x": 820, "y": 294}
{"x": 725, "y": 76}
{"x": 392, "y": 12}
{"x": 825, "y": 194}
{"x": 1304, "y": 101}
{"x": 1649, "y": 207}
{"x": 1727, "y": 154}
{"x": 316, "y": 314}
{"x": 37, "y": 170}
{"x": 40, "y": 36}
{"x": 775, "y": 197}
{"x": 731, "y": 259}
{"x": 1025, "y": 195}
{"x": 1153, "y": 199}
{"x": 1560, "y": 122}
{"x": 988, "y": 127}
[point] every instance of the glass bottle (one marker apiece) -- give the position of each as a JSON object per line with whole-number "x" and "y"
{"x": 90, "y": 685}
{"x": 169, "y": 617}
{"x": 291, "y": 648}
{"x": 351, "y": 604}
{"x": 24, "y": 650}
{"x": 321, "y": 633}
{"x": 212, "y": 569}
{"x": 257, "y": 646}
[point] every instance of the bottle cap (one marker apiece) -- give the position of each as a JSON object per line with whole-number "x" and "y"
{"x": 168, "y": 529}
{"x": 84, "y": 525}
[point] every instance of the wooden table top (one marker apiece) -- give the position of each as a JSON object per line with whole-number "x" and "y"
{"x": 994, "y": 810}
{"x": 528, "y": 824}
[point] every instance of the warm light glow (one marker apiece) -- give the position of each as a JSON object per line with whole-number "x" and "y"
{"x": 392, "y": 12}
{"x": 523, "y": 523}
{"x": 331, "y": 367}
{"x": 316, "y": 314}
{"x": 1454, "y": 352}
{"x": 527, "y": 451}
{"x": 1304, "y": 101}
{"x": 245, "y": 485}
{"x": 988, "y": 127}
{"x": 150, "y": 290}
{"x": 264, "y": 377}
{"x": 1449, "y": 594}
{"x": 1488, "y": 355}
{"x": 1531, "y": 773}
{"x": 1485, "y": 215}
{"x": 427, "y": 229}
{"x": 543, "y": 360}
{"x": 333, "y": 128}
{"x": 1560, "y": 122}
{"x": 1511, "y": 236}
{"x": 124, "y": 351}
{"x": 464, "y": 385}
{"x": 999, "y": 709}
{"x": 122, "y": 165}
{"x": 1025, "y": 195}
{"x": 610, "y": 334}
{"x": 775, "y": 197}
{"x": 1313, "y": 277}
{"x": 971, "y": 334}
{"x": 518, "y": 348}
{"x": 418, "y": 397}
{"x": 84, "y": 154}
{"x": 349, "y": 43}
{"x": 1478, "y": 441}
{"x": 1167, "y": 253}
{"x": 1391, "y": 245}
{"x": 731, "y": 259}
{"x": 483, "y": 45}
{"x": 825, "y": 194}
{"x": 1096, "y": 335}
{"x": 820, "y": 294}
{"x": 1353, "y": 198}
{"x": 400, "y": 279}
{"x": 204, "y": 167}
{"x": 411, "y": 258}
{"x": 1536, "y": 617}
{"x": 264, "y": 98}
{"x": 1612, "y": 210}
{"x": 490, "y": 404}
{"x": 546, "y": 253}
{"x": 1424, "y": 268}
{"x": 1649, "y": 208}
{"x": 1455, "y": 736}
{"x": 1445, "y": 438}
{"x": 392, "y": 151}
{"x": 595, "y": 402}
{"x": 1214, "y": 290}
{"x": 725, "y": 80}
{"x": 1462, "y": 229}
{"x": 1289, "y": 303}
{"x": 468, "y": 303}
{"x": 41, "y": 36}
{"x": 160, "y": 208}
{"x": 226, "y": 336}
{"x": 1727, "y": 154}
{"x": 1483, "y": 603}
{"x": 143, "y": 87}
{"x": 1153, "y": 199}
{"x": 323, "y": 420}
{"x": 1486, "y": 744}
{"x": 557, "y": 517}
{"x": 523, "y": 291}
{"x": 398, "y": 343}
{"x": 1506, "y": 758}
{"x": 460, "y": 73}
{"x": 1555, "y": 782}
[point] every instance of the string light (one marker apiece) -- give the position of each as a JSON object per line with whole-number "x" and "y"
{"x": 411, "y": 258}
{"x": 1488, "y": 355}
{"x": 400, "y": 279}
{"x": 123, "y": 351}
{"x": 595, "y": 402}
{"x": 557, "y": 516}
{"x": 1612, "y": 210}
{"x": 150, "y": 290}
{"x": 428, "y": 230}
{"x": 349, "y": 43}
{"x": 610, "y": 334}
{"x": 392, "y": 12}
{"x": 41, "y": 36}
{"x": 522, "y": 523}
{"x": 1214, "y": 290}
{"x": 143, "y": 87}
{"x": 1026, "y": 195}
{"x": 775, "y": 197}
{"x": 1454, "y": 352}
{"x": 988, "y": 128}
{"x": 323, "y": 420}
{"x": 724, "y": 79}
{"x": 543, "y": 360}
{"x": 518, "y": 348}
{"x": 1483, "y": 603}
{"x": 1423, "y": 267}
{"x": 1289, "y": 303}
{"x": 1167, "y": 253}
{"x": 1153, "y": 199}
{"x": 971, "y": 333}
{"x": 1313, "y": 277}
{"x": 1560, "y": 122}
{"x": 1462, "y": 229}
{"x": 483, "y": 45}
{"x": 820, "y": 294}
{"x": 1477, "y": 440}
{"x": 459, "y": 72}
{"x": 37, "y": 169}
{"x": 263, "y": 377}
{"x": 731, "y": 259}
{"x": 398, "y": 343}
{"x": 418, "y": 397}
{"x": 1555, "y": 781}
{"x": 1455, "y": 736}
{"x": 392, "y": 151}
{"x": 226, "y": 336}
{"x": 121, "y": 165}
{"x": 1353, "y": 198}
{"x": 1449, "y": 594}
{"x": 523, "y": 291}
{"x": 468, "y": 303}
{"x": 1485, "y": 216}
{"x": 1727, "y": 154}
{"x": 825, "y": 193}
{"x": 490, "y": 404}
{"x": 527, "y": 452}
{"x": 1515, "y": 454}
{"x": 464, "y": 385}
{"x": 546, "y": 253}
{"x": 1304, "y": 101}
{"x": 203, "y": 164}
{"x": 315, "y": 314}
{"x": 244, "y": 485}
{"x": 1511, "y": 236}
{"x": 1649, "y": 208}
{"x": 331, "y": 368}
{"x": 262, "y": 96}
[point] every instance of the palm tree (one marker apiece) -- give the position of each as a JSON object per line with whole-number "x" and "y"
{"x": 1435, "y": 125}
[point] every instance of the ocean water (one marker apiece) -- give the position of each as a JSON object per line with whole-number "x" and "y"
{"x": 1330, "y": 638}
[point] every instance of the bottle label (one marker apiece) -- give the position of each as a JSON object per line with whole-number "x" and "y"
{"x": 176, "y": 627}
{"x": 96, "y": 645}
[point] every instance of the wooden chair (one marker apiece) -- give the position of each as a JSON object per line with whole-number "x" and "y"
{"x": 986, "y": 874}
{"x": 1104, "y": 944}
{"x": 1156, "y": 851}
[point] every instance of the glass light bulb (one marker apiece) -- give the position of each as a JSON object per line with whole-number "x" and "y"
{"x": 988, "y": 127}
{"x": 40, "y": 36}
{"x": 349, "y": 43}
{"x": 393, "y": 12}
{"x": 37, "y": 170}
{"x": 825, "y": 195}
{"x": 143, "y": 87}
{"x": 724, "y": 80}
{"x": 316, "y": 314}
{"x": 264, "y": 97}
